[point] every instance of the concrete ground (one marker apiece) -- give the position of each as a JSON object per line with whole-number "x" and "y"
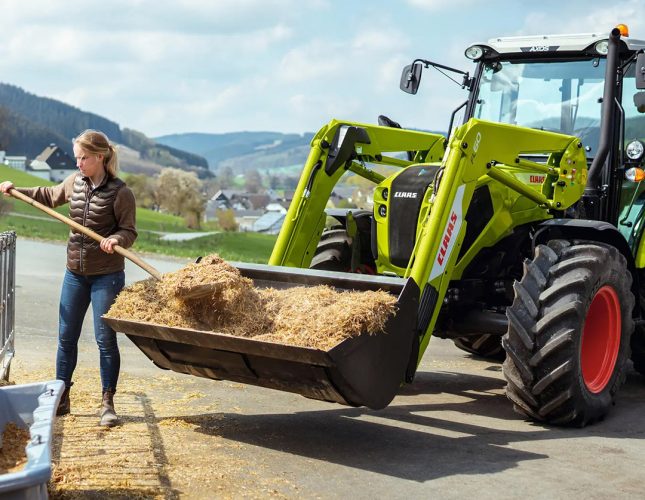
{"x": 450, "y": 434}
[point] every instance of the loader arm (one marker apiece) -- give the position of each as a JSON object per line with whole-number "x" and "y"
{"x": 482, "y": 151}
{"x": 336, "y": 148}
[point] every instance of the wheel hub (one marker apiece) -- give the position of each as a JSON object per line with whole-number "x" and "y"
{"x": 601, "y": 339}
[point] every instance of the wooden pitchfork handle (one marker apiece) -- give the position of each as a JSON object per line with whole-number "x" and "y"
{"x": 88, "y": 232}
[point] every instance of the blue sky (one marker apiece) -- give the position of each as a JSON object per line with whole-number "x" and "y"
{"x": 165, "y": 67}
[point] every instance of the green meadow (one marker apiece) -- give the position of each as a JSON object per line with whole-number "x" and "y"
{"x": 29, "y": 222}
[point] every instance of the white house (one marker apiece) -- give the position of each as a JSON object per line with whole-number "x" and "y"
{"x": 40, "y": 169}
{"x": 60, "y": 164}
{"x": 17, "y": 162}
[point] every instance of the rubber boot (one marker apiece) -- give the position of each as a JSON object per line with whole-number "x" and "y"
{"x": 64, "y": 406}
{"x": 108, "y": 414}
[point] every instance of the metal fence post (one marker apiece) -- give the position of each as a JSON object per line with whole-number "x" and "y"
{"x": 7, "y": 300}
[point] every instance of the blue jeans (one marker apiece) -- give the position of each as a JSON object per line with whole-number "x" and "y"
{"x": 77, "y": 294}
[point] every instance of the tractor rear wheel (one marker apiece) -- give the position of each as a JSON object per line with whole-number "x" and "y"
{"x": 568, "y": 339}
{"x": 485, "y": 346}
{"x": 334, "y": 251}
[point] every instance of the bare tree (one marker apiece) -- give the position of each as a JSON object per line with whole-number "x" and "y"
{"x": 226, "y": 220}
{"x": 225, "y": 177}
{"x": 5, "y": 206}
{"x": 180, "y": 193}
{"x": 144, "y": 188}
{"x": 253, "y": 181}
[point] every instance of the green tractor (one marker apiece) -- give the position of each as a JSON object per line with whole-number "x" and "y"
{"x": 519, "y": 236}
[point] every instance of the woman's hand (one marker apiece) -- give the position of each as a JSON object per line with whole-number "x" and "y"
{"x": 5, "y": 187}
{"x": 107, "y": 244}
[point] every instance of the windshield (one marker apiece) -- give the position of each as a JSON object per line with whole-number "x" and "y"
{"x": 555, "y": 96}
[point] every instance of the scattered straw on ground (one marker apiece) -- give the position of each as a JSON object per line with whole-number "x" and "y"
{"x": 12, "y": 448}
{"x": 318, "y": 317}
{"x": 168, "y": 445}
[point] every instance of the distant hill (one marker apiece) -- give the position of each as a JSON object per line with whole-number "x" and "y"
{"x": 51, "y": 114}
{"x": 21, "y": 136}
{"x": 242, "y": 151}
{"x": 29, "y": 123}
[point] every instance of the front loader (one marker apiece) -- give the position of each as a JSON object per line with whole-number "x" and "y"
{"x": 519, "y": 236}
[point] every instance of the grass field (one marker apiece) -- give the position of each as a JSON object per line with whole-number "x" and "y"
{"x": 29, "y": 222}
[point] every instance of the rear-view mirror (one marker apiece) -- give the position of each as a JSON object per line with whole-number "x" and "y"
{"x": 639, "y": 101}
{"x": 411, "y": 78}
{"x": 640, "y": 71}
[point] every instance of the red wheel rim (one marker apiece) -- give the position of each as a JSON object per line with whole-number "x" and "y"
{"x": 601, "y": 339}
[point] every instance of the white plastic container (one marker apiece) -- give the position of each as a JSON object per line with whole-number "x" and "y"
{"x": 30, "y": 406}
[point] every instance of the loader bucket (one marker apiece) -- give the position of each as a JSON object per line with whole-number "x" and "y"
{"x": 361, "y": 371}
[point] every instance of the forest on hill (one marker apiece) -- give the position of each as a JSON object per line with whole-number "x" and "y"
{"x": 29, "y": 123}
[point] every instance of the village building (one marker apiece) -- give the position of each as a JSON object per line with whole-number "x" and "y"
{"x": 59, "y": 163}
{"x": 17, "y": 162}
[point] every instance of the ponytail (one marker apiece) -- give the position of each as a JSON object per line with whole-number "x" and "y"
{"x": 111, "y": 161}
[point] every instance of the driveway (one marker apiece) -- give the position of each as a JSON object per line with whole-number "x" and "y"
{"x": 450, "y": 434}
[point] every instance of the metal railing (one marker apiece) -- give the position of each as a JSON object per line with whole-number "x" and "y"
{"x": 7, "y": 300}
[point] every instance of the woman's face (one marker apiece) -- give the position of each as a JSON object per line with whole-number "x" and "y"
{"x": 90, "y": 165}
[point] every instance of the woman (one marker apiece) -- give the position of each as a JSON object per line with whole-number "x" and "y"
{"x": 100, "y": 201}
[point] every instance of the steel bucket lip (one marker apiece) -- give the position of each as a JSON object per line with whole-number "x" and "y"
{"x": 295, "y": 276}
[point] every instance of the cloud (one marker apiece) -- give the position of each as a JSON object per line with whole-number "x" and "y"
{"x": 593, "y": 19}
{"x": 179, "y": 16}
{"x": 291, "y": 65}
{"x": 439, "y": 4}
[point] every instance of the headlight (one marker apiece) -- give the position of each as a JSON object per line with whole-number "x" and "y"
{"x": 602, "y": 47}
{"x": 635, "y": 150}
{"x": 474, "y": 52}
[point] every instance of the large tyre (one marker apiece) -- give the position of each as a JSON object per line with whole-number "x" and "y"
{"x": 486, "y": 346}
{"x": 334, "y": 251}
{"x": 568, "y": 340}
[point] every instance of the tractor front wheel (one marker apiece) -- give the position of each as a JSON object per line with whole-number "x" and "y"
{"x": 486, "y": 345}
{"x": 638, "y": 350}
{"x": 568, "y": 339}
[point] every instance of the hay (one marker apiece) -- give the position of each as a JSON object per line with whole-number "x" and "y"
{"x": 13, "y": 456}
{"x": 318, "y": 317}
{"x": 168, "y": 446}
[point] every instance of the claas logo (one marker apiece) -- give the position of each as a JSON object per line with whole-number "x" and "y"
{"x": 446, "y": 239}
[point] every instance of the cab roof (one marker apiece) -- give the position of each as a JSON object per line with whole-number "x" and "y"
{"x": 581, "y": 42}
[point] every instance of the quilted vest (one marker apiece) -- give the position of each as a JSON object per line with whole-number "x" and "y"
{"x": 93, "y": 208}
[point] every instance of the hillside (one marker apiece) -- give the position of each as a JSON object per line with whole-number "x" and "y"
{"x": 29, "y": 123}
{"x": 243, "y": 151}
{"x": 20, "y": 136}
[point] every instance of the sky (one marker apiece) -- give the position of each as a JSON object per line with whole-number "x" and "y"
{"x": 164, "y": 67}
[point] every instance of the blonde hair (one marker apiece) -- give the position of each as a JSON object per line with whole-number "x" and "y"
{"x": 97, "y": 143}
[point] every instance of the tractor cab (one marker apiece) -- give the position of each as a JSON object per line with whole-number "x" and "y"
{"x": 556, "y": 83}
{"x": 573, "y": 85}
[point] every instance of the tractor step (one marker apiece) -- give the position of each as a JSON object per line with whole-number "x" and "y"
{"x": 366, "y": 370}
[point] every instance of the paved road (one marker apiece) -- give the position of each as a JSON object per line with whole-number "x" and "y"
{"x": 451, "y": 434}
